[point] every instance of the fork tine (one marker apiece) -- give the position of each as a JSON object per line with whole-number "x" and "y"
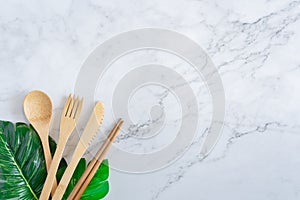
{"x": 75, "y": 107}
{"x": 67, "y": 104}
{"x": 78, "y": 110}
{"x": 68, "y": 114}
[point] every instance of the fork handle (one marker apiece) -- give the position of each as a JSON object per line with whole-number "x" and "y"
{"x": 62, "y": 186}
{"x": 51, "y": 177}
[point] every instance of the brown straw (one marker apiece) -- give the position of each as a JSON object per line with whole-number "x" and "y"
{"x": 92, "y": 168}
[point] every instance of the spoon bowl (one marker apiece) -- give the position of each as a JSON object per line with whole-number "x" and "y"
{"x": 38, "y": 110}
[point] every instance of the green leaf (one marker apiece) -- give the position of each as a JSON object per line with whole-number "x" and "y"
{"x": 98, "y": 187}
{"x": 23, "y": 168}
{"x": 22, "y": 165}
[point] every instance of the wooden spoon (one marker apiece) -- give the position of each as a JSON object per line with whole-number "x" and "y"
{"x": 38, "y": 110}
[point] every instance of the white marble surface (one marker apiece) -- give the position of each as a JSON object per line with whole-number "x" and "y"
{"x": 254, "y": 44}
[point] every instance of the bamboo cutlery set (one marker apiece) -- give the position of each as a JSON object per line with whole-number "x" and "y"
{"x": 38, "y": 110}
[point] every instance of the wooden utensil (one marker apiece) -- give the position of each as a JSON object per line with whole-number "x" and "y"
{"x": 38, "y": 110}
{"x": 87, "y": 136}
{"x": 92, "y": 168}
{"x": 68, "y": 121}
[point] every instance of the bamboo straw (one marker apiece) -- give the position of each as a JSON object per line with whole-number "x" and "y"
{"x": 92, "y": 168}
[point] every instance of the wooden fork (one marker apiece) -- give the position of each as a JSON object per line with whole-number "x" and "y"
{"x": 86, "y": 138}
{"x": 68, "y": 121}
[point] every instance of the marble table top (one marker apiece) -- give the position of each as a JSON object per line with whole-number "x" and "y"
{"x": 254, "y": 45}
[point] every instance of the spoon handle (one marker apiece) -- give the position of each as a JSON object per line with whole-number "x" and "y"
{"x": 48, "y": 158}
